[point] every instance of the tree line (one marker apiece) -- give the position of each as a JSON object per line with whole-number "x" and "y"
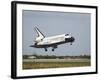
{"x": 54, "y": 56}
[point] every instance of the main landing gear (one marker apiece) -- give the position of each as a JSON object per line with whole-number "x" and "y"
{"x": 53, "y": 49}
{"x": 45, "y": 49}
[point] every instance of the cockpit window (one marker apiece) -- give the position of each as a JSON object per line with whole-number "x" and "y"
{"x": 66, "y": 34}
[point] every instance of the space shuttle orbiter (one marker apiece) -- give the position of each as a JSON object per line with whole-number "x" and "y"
{"x": 45, "y": 42}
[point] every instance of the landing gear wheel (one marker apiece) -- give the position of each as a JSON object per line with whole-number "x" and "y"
{"x": 46, "y": 49}
{"x": 70, "y": 43}
{"x": 52, "y": 49}
{"x": 35, "y": 43}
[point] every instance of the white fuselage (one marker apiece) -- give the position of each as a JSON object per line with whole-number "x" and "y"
{"x": 52, "y": 40}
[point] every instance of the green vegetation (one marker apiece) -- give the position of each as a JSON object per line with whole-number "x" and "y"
{"x": 39, "y": 65}
{"x": 55, "y": 56}
{"x": 53, "y": 61}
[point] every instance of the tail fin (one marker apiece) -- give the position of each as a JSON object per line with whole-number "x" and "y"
{"x": 40, "y": 34}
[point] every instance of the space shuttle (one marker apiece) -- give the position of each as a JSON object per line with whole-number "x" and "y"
{"x": 45, "y": 42}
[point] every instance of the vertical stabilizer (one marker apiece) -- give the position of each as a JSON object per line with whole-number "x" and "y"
{"x": 40, "y": 34}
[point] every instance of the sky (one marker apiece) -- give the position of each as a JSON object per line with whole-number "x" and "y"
{"x": 56, "y": 23}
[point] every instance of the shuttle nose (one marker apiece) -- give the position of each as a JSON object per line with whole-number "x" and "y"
{"x": 72, "y": 39}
